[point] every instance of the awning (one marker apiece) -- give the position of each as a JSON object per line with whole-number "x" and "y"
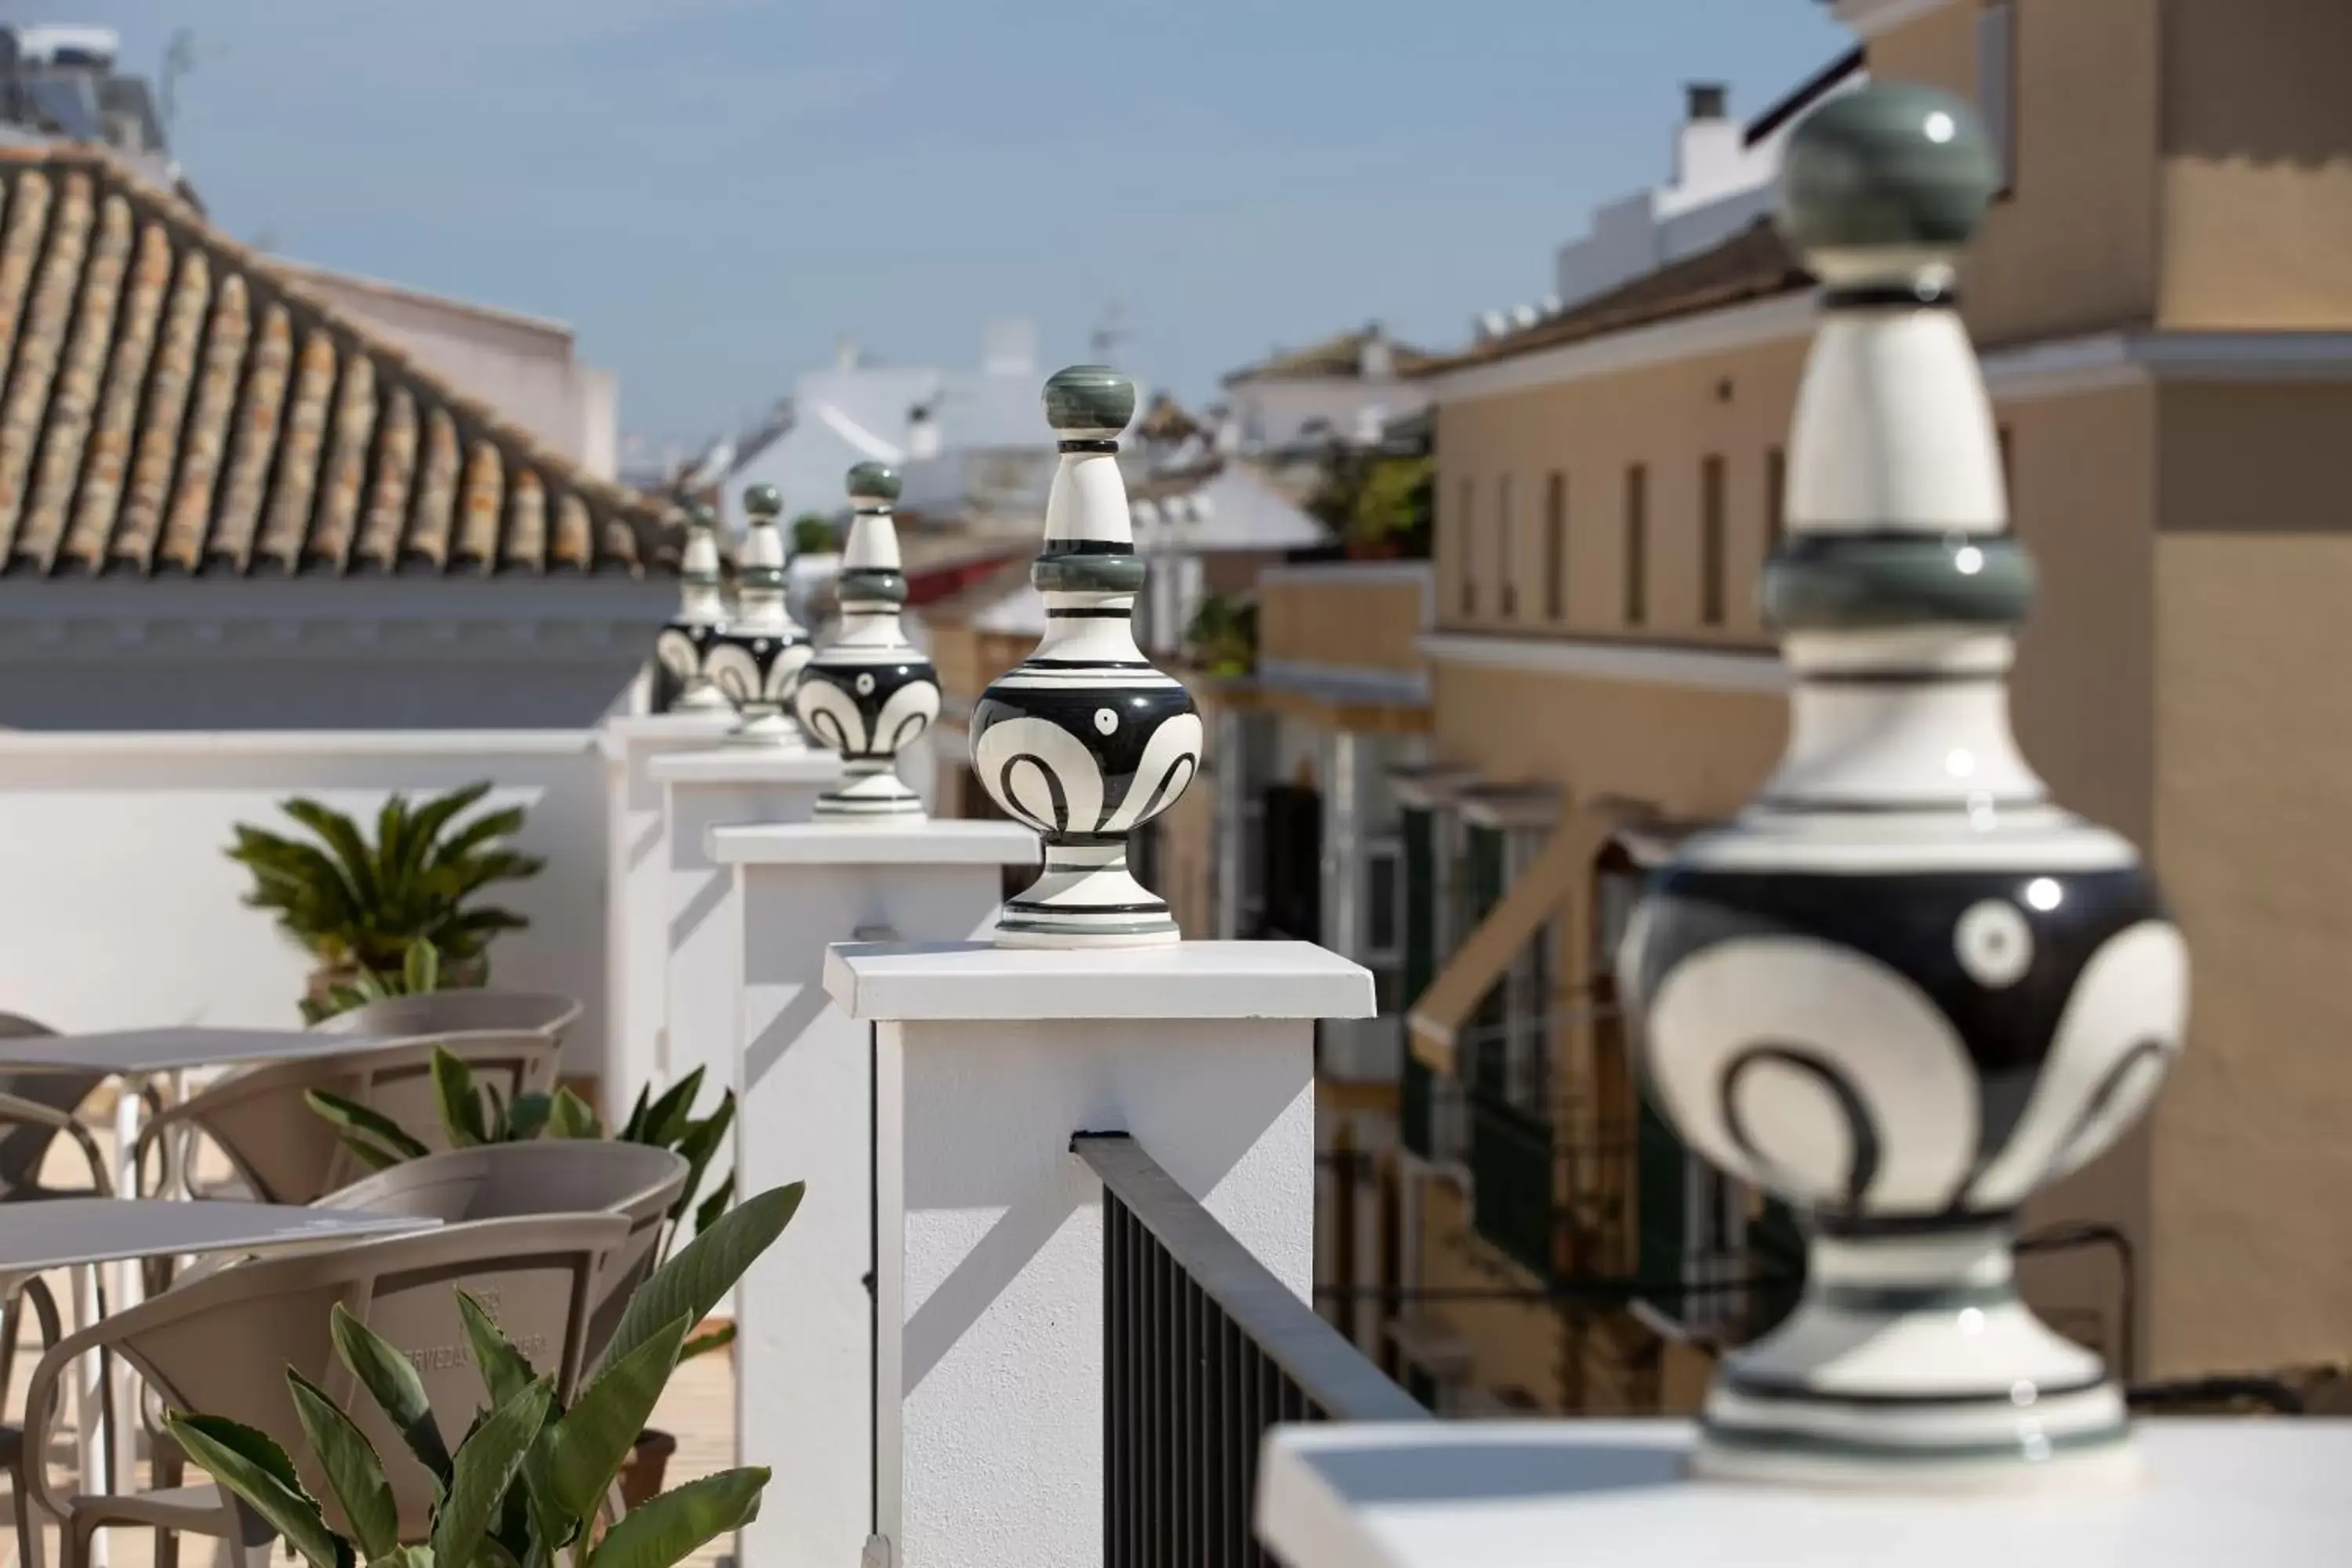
{"x": 1437, "y": 1017}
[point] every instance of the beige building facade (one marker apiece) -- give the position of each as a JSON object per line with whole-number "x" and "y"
{"x": 2163, "y": 305}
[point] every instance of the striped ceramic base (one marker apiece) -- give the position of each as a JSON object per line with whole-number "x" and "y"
{"x": 1087, "y": 897}
{"x": 870, "y": 789}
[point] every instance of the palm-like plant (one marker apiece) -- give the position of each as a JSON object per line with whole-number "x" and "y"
{"x": 360, "y": 907}
{"x": 525, "y": 1486}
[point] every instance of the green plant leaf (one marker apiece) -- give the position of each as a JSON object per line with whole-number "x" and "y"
{"x": 467, "y": 841}
{"x": 716, "y": 1204}
{"x": 506, "y": 1370}
{"x": 393, "y": 1384}
{"x": 354, "y": 1118}
{"x": 407, "y": 1557}
{"x": 668, "y": 1529}
{"x": 571, "y": 1117}
{"x": 586, "y": 1448}
{"x": 528, "y": 1116}
{"x": 421, "y": 970}
{"x": 718, "y": 1339}
{"x": 353, "y": 859}
{"x": 699, "y": 1143}
{"x": 355, "y": 1471}
{"x": 691, "y": 1283}
{"x": 369, "y": 1154}
{"x": 483, "y": 1466}
{"x": 256, "y": 1470}
{"x": 673, "y": 1113}
{"x": 460, "y": 1104}
{"x": 633, "y": 1131}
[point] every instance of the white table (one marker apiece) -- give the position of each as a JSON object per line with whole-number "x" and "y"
{"x": 132, "y": 1058}
{"x": 2251, "y": 1493}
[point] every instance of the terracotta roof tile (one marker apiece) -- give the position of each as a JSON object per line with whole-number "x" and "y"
{"x": 171, "y": 402}
{"x": 1753, "y": 264}
{"x": 1339, "y": 356}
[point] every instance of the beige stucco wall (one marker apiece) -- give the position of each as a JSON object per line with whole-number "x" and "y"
{"x": 2072, "y": 249}
{"x": 2255, "y": 742}
{"x": 2257, "y": 175}
{"x": 1333, "y": 616}
{"x": 1669, "y": 418}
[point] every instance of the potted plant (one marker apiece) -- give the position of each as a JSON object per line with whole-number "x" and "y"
{"x": 360, "y": 907}
{"x": 472, "y": 1115}
{"x": 528, "y": 1484}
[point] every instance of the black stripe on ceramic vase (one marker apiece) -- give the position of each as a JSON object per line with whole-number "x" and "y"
{"x": 1113, "y": 725}
{"x": 1997, "y": 953}
{"x": 869, "y": 688}
{"x": 867, "y": 586}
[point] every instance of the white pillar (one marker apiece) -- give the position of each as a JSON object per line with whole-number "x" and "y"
{"x": 720, "y": 786}
{"x": 990, "y": 1395}
{"x": 805, "y": 1344}
{"x": 637, "y": 896}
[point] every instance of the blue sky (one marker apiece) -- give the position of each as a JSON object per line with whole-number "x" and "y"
{"x": 714, "y": 191}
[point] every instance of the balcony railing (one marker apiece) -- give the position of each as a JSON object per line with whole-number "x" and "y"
{"x": 1204, "y": 1351}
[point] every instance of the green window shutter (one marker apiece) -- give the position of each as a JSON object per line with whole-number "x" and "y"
{"x": 1483, "y": 1064}
{"x": 1660, "y": 1162}
{"x": 1414, "y": 1109}
{"x": 1420, "y": 903}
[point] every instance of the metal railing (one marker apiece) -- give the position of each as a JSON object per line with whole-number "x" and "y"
{"x": 1204, "y": 1349}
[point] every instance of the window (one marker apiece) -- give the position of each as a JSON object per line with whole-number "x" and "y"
{"x": 2008, "y": 470}
{"x": 1776, "y": 496}
{"x": 1384, "y": 893}
{"x": 1418, "y": 837}
{"x": 1710, "y": 542}
{"x": 1997, "y": 84}
{"x": 1637, "y": 545}
{"x": 1555, "y": 547}
{"x": 1469, "y": 547}
{"x": 1506, "y": 528}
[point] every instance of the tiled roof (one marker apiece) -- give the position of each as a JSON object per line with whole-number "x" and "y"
{"x": 172, "y": 403}
{"x": 1753, "y": 264}
{"x": 1334, "y": 357}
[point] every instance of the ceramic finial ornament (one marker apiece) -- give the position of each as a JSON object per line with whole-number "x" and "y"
{"x": 683, "y": 646}
{"x": 1902, "y": 990}
{"x": 1084, "y": 740}
{"x": 870, "y": 693}
{"x": 761, "y": 654}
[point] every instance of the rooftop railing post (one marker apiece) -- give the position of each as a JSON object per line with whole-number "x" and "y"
{"x": 1083, "y": 1015}
{"x": 869, "y": 867}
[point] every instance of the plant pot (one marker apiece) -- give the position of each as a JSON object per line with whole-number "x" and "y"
{"x": 641, "y": 1476}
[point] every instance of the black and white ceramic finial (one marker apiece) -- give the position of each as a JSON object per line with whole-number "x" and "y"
{"x": 1902, "y": 990}
{"x": 683, "y": 648}
{"x": 870, "y": 693}
{"x": 761, "y": 654}
{"x": 1084, "y": 740}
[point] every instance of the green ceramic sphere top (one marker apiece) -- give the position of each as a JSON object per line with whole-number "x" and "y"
{"x": 1089, "y": 399}
{"x": 764, "y": 500}
{"x": 700, "y": 516}
{"x": 872, "y": 482}
{"x": 1892, "y": 164}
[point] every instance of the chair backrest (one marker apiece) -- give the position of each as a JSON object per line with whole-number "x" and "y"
{"x": 288, "y": 1153}
{"x": 220, "y": 1345}
{"x": 23, "y": 1145}
{"x": 456, "y": 1013}
{"x": 553, "y": 1175}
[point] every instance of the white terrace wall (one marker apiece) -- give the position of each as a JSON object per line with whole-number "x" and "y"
{"x": 119, "y": 910}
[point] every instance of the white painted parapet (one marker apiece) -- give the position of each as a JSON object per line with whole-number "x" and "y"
{"x": 636, "y": 889}
{"x": 804, "y": 1075}
{"x": 990, "y": 1393}
{"x": 724, "y": 785}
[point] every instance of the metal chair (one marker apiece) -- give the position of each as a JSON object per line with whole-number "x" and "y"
{"x": 556, "y": 1175}
{"x": 285, "y": 1153}
{"x": 456, "y": 1013}
{"x": 36, "y": 1109}
{"x": 220, "y": 1345}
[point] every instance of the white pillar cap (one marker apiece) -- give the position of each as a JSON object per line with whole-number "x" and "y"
{"x": 616, "y": 734}
{"x": 838, "y": 843}
{"x": 746, "y": 765}
{"x": 914, "y": 983}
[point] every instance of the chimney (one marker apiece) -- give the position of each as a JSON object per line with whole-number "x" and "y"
{"x": 1374, "y": 362}
{"x": 1708, "y": 100}
{"x": 922, "y": 432}
{"x": 1710, "y": 161}
{"x": 845, "y": 352}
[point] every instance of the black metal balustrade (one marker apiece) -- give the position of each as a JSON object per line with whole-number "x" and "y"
{"x": 1204, "y": 1349}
